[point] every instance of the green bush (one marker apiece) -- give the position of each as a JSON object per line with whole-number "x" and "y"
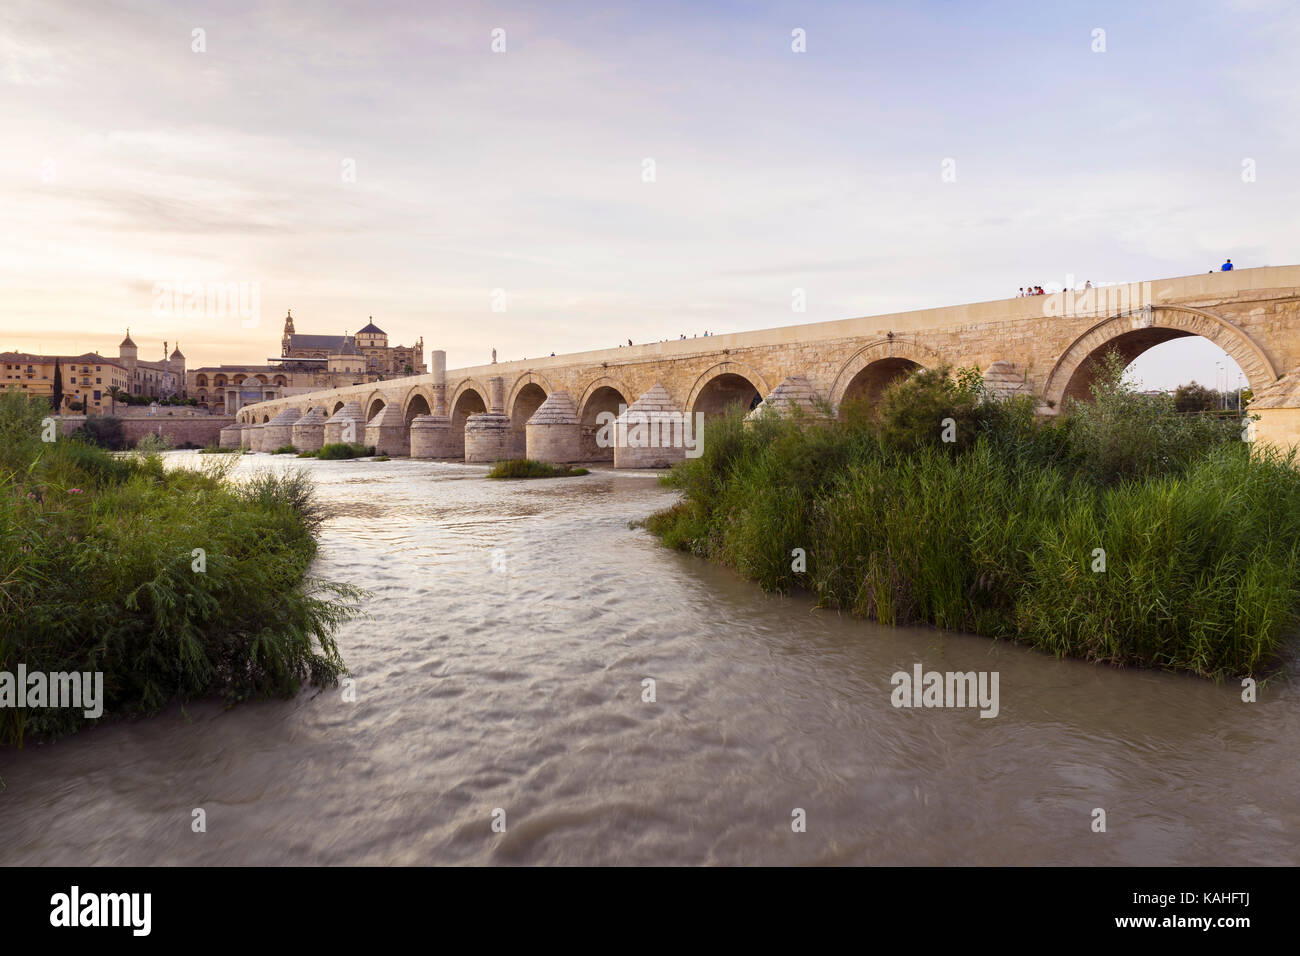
{"x": 103, "y": 431}
{"x": 999, "y": 534}
{"x": 98, "y": 573}
{"x": 151, "y": 444}
{"x": 285, "y": 450}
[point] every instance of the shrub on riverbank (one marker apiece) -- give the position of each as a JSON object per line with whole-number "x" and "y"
{"x": 106, "y": 431}
{"x": 1119, "y": 533}
{"x": 528, "y": 468}
{"x": 175, "y": 584}
{"x": 152, "y": 444}
{"x": 285, "y": 450}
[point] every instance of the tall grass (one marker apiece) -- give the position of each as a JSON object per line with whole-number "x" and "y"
{"x": 175, "y": 584}
{"x": 1001, "y": 537}
{"x": 527, "y": 468}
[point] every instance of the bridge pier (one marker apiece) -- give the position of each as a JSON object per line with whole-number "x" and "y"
{"x": 231, "y": 436}
{"x": 554, "y": 433}
{"x": 388, "y": 432}
{"x": 279, "y": 430}
{"x": 793, "y": 392}
{"x": 488, "y": 435}
{"x": 346, "y": 425}
{"x": 430, "y": 436}
{"x": 308, "y": 432}
{"x": 639, "y": 432}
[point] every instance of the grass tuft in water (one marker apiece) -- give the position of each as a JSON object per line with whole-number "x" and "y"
{"x": 528, "y": 468}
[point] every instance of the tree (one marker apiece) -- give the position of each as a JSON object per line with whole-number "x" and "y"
{"x": 1194, "y": 397}
{"x": 105, "y": 431}
{"x": 113, "y": 394}
{"x": 56, "y": 399}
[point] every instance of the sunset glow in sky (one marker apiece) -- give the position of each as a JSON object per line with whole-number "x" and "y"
{"x": 132, "y": 160}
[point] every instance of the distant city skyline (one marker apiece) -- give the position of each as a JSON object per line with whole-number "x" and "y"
{"x": 624, "y": 172}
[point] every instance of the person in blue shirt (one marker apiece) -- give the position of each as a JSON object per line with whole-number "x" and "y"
{"x": 1226, "y": 267}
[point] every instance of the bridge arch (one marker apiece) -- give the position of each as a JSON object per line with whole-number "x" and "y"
{"x": 725, "y": 384}
{"x": 416, "y": 401}
{"x": 605, "y": 395}
{"x": 467, "y": 385}
{"x": 525, "y": 399}
{"x": 469, "y": 398}
{"x": 1133, "y": 333}
{"x": 870, "y": 369}
{"x": 374, "y": 404}
{"x": 527, "y": 378}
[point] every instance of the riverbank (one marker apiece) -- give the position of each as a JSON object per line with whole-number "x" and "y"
{"x": 175, "y": 584}
{"x": 1119, "y": 533}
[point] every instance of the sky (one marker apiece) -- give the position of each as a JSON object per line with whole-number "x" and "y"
{"x": 623, "y": 170}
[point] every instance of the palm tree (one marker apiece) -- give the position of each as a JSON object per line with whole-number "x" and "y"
{"x": 113, "y": 392}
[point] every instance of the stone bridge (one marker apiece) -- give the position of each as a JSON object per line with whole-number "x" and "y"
{"x": 1041, "y": 345}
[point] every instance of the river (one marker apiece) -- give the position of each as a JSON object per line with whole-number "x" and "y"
{"x": 500, "y": 666}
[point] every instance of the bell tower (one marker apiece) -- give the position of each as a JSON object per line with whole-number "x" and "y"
{"x": 286, "y": 341}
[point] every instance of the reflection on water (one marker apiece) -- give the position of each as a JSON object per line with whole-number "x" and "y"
{"x": 501, "y": 665}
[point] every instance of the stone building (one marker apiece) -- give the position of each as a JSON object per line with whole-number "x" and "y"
{"x": 380, "y": 360}
{"x": 90, "y": 378}
{"x": 307, "y": 362}
{"x": 162, "y": 379}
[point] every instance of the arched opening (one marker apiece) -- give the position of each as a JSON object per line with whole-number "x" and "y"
{"x": 201, "y": 381}
{"x": 725, "y": 391}
{"x": 528, "y": 401}
{"x": 281, "y": 380}
{"x": 337, "y": 406}
{"x": 868, "y": 386}
{"x": 260, "y": 378}
{"x": 469, "y": 403}
{"x": 265, "y": 419}
{"x": 604, "y": 399}
{"x": 417, "y": 406}
{"x": 375, "y": 408}
{"x": 1180, "y": 359}
{"x": 219, "y": 381}
{"x": 1160, "y": 359}
{"x": 1177, "y": 344}
{"x": 238, "y": 379}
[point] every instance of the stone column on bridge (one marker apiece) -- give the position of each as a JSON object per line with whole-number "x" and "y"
{"x": 650, "y": 432}
{"x": 430, "y": 435}
{"x": 439, "y": 383}
{"x": 256, "y": 436}
{"x": 308, "y": 432}
{"x": 554, "y": 433}
{"x": 487, "y": 435}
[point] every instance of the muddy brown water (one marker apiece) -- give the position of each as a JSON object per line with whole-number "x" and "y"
{"x": 500, "y": 667}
